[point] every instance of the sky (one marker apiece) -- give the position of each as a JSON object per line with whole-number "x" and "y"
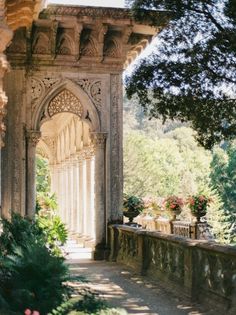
{"x": 100, "y": 3}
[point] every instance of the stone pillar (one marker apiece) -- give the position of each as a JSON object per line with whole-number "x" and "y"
{"x": 63, "y": 191}
{"x": 67, "y": 193}
{"x": 81, "y": 196}
{"x": 90, "y": 193}
{"x": 33, "y": 137}
{"x": 116, "y": 150}
{"x": 99, "y": 142}
{"x": 75, "y": 196}
{"x": 88, "y": 196}
{"x": 5, "y": 37}
{"x": 71, "y": 195}
{"x": 84, "y": 192}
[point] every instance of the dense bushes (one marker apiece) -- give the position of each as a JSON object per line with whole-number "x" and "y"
{"x": 31, "y": 275}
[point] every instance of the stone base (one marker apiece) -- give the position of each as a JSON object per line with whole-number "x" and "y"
{"x": 101, "y": 252}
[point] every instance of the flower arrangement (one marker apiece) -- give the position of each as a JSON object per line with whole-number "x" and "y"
{"x": 132, "y": 206}
{"x": 198, "y": 205}
{"x": 173, "y": 205}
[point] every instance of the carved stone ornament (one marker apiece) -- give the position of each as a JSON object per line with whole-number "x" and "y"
{"x": 33, "y": 136}
{"x": 40, "y": 86}
{"x": 65, "y": 102}
{"x": 93, "y": 89}
{"x": 88, "y": 152}
{"x": 98, "y": 139}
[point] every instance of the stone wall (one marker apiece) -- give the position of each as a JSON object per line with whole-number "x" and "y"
{"x": 201, "y": 270}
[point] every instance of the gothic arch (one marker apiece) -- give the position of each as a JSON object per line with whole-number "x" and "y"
{"x": 82, "y": 106}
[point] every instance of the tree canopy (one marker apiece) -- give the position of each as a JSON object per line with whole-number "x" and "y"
{"x": 190, "y": 75}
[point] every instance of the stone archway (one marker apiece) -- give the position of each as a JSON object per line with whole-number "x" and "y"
{"x": 69, "y": 135}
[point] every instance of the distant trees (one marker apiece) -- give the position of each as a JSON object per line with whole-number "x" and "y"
{"x": 223, "y": 180}
{"x": 161, "y": 160}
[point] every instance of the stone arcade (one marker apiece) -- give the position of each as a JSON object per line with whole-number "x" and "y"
{"x": 65, "y": 102}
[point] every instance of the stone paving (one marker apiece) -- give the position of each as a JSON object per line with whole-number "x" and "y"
{"x": 122, "y": 288}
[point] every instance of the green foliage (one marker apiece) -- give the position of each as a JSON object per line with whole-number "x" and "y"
{"x": 31, "y": 276}
{"x": 171, "y": 165}
{"x": 86, "y": 303}
{"x": 191, "y": 74}
{"x": 133, "y": 203}
{"x": 223, "y": 179}
{"x": 54, "y": 230}
{"x": 19, "y": 232}
{"x": 42, "y": 175}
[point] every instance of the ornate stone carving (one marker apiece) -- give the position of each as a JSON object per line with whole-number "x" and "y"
{"x": 93, "y": 90}
{"x": 65, "y": 45}
{"x": 88, "y": 152}
{"x": 88, "y": 44}
{"x": 88, "y": 11}
{"x": 65, "y": 102}
{"x": 33, "y": 136}
{"x": 98, "y": 139}
{"x": 40, "y": 86}
{"x": 41, "y": 44}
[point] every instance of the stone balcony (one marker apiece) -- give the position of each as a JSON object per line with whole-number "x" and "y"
{"x": 202, "y": 270}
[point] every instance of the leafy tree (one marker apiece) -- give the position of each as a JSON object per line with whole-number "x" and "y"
{"x": 173, "y": 164}
{"x": 42, "y": 175}
{"x": 191, "y": 74}
{"x": 223, "y": 179}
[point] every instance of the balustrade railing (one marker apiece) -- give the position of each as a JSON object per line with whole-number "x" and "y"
{"x": 193, "y": 230}
{"x": 203, "y": 270}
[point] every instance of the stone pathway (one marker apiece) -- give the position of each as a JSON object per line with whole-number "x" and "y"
{"x": 122, "y": 288}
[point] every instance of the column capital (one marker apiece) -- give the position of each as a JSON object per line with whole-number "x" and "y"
{"x": 33, "y": 136}
{"x": 88, "y": 152}
{"x": 98, "y": 139}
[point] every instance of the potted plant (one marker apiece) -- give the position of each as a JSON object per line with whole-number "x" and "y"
{"x": 173, "y": 205}
{"x": 198, "y": 205}
{"x": 132, "y": 207}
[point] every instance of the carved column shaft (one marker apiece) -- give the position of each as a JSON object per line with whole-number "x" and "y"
{"x": 99, "y": 140}
{"x": 116, "y": 150}
{"x": 32, "y": 138}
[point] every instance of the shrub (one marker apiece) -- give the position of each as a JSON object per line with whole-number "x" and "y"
{"x": 31, "y": 276}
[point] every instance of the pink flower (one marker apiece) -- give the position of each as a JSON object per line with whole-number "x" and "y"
{"x": 27, "y": 312}
{"x": 35, "y": 313}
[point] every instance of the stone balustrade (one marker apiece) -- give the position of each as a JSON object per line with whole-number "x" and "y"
{"x": 193, "y": 230}
{"x": 202, "y": 270}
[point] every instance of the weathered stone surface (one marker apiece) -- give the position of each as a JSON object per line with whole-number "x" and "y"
{"x": 203, "y": 270}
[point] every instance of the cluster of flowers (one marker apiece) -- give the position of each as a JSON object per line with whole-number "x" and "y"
{"x": 29, "y": 312}
{"x": 198, "y": 203}
{"x": 173, "y": 203}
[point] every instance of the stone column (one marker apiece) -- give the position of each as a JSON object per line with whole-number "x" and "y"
{"x": 33, "y": 137}
{"x": 5, "y": 37}
{"x": 63, "y": 191}
{"x": 116, "y": 150}
{"x": 71, "y": 195}
{"x": 67, "y": 193}
{"x": 90, "y": 193}
{"x": 81, "y": 196}
{"x": 75, "y": 196}
{"x": 78, "y": 200}
{"x": 84, "y": 193}
{"x": 99, "y": 141}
